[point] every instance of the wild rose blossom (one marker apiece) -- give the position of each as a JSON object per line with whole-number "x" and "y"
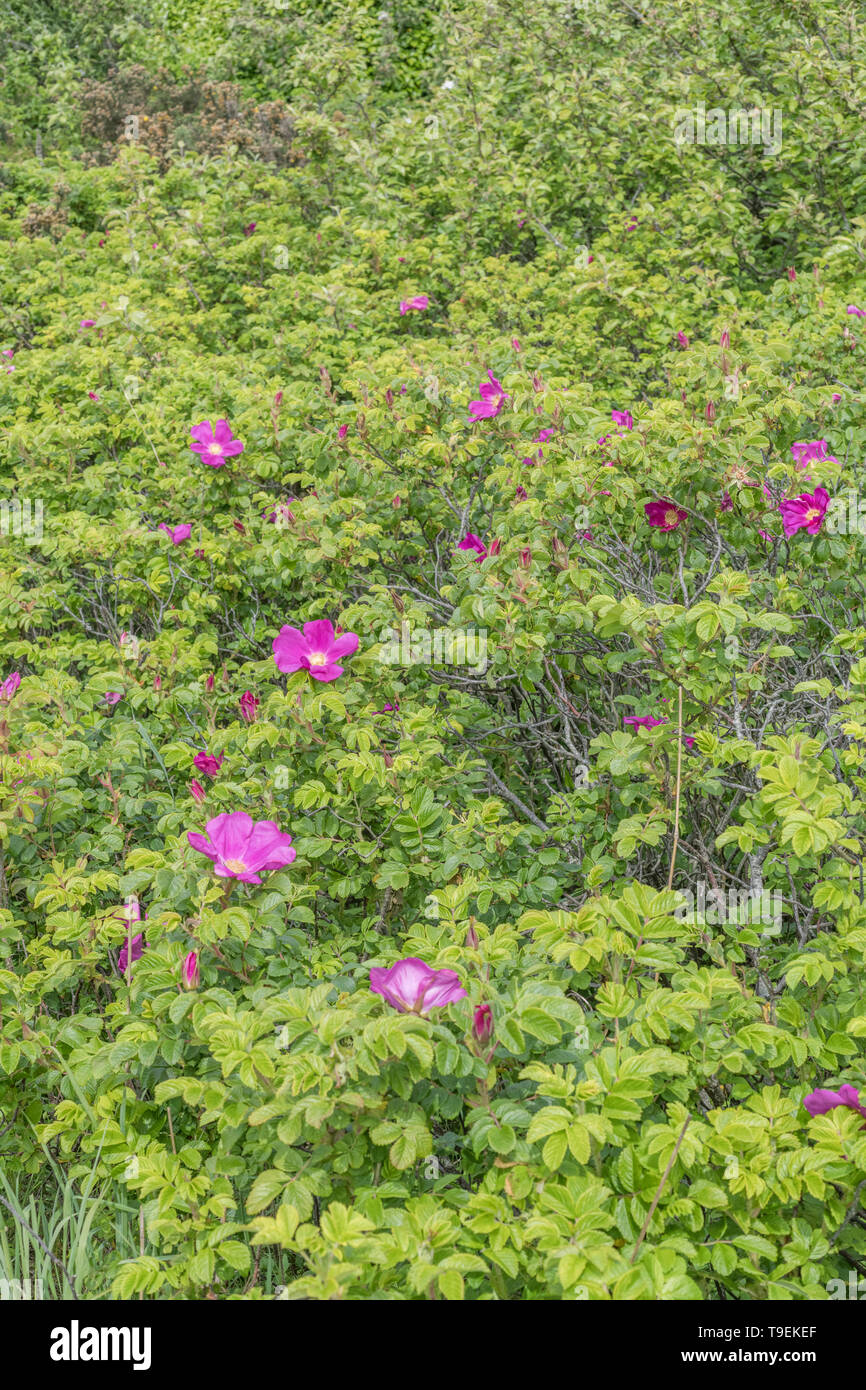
{"x": 642, "y": 721}
{"x": 242, "y": 848}
{"x": 418, "y": 303}
{"x": 9, "y": 686}
{"x": 87, "y": 323}
{"x": 805, "y": 512}
{"x": 388, "y": 708}
{"x": 664, "y": 514}
{"x": 682, "y": 339}
{"x": 473, "y": 542}
{"x": 493, "y": 397}
{"x": 317, "y": 649}
{"x": 852, "y": 309}
{"x": 622, "y": 418}
{"x": 342, "y": 431}
{"x": 178, "y": 534}
{"x": 215, "y": 444}
{"x": 113, "y": 697}
{"x": 819, "y": 1102}
{"x": 813, "y": 452}
{"x": 206, "y": 762}
{"x": 648, "y": 721}
{"x": 138, "y": 944}
{"x": 411, "y": 986}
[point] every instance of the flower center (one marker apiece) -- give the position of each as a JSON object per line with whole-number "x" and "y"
{"x": 237, "y": 866}
{"x": 214, "y": 448}
{"x": 317, "y": 659}
{"x": 812, "y": 513}
{"x": 671, "y": 518}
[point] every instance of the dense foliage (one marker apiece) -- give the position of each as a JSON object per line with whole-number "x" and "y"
{"x": 334, "y": 232}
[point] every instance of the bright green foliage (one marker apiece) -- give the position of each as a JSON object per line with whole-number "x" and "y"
{"x": 638, "y": 1131}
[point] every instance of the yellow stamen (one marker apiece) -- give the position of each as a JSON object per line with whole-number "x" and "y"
{"x": 237, "y": 866}
{"x": 812, "y": 513}
{"x": 671, "y": 518}
{"x": 318, "y": 659}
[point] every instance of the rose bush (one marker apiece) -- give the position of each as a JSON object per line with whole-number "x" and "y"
{"x": 495, "y": 625}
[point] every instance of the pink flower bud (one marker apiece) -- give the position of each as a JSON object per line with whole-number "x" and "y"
{"x": 472, "y": 938}
{"x": 249, "y": 705}
{"x": 711, "y": 411}
{"x": 725, "y": 340}
{"x": 209, "y": 683}
{"x": 197, "y": 789}
{"x": 190, "y": 971}
{"x": 525, "y": 558}
{"x": 482, "y": 1023}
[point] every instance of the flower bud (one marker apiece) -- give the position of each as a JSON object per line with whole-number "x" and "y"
{"x": 190, "y": 971}
{"x": 482, "y": 1023}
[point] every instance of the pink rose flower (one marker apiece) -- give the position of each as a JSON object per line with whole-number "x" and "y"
{"x": 206, "y": 762}
{"x": 215, "y": 444}
{"x": 493, "y": 397}
{"x": 178, "y": 534}
{"x": 8, "y": 687}
{"x": 317, "y": 649}
{"x": 413, "y": 987}
{"x": 819, "y": 1102}
{"x": 242, "y": 848}
{"x": 473, "y": 542}
{"x": 806, "y": 512}
{"x": 813, "y": 452}
{"x": 665, "y": 515}
{"x": 418, "y": 303}
{"x": 138, "y": 944}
